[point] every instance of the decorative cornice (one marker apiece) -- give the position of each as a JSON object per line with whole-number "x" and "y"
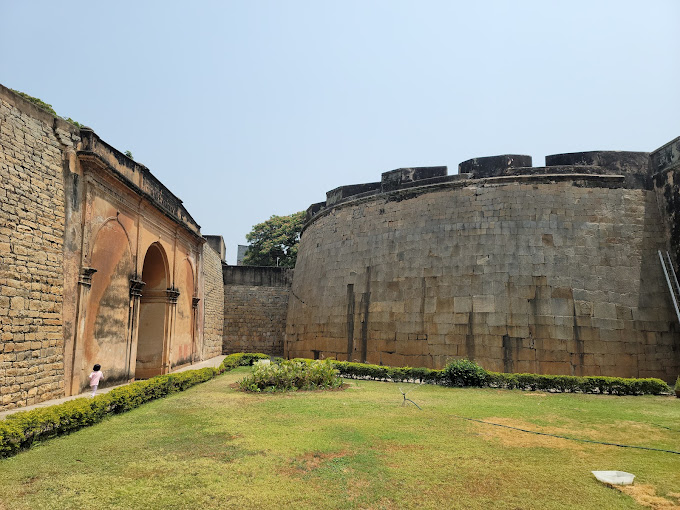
{"x": 173, "y": 295}
{"x": 136, "y": 287}
{"x": 160, "y": 198}
{"x": 104, "y": 186}
{"x": 86, "y": 276}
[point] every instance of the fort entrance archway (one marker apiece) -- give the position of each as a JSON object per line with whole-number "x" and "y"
{"x": 151, "y": 352}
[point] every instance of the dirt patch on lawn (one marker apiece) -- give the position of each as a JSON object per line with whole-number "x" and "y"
{"x": 312, "y": 461}
{"x": 519, "y": 438}
{"x": 645, "y": 495}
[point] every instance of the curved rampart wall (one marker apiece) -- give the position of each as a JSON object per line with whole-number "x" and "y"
{"x": 527, "y": 273}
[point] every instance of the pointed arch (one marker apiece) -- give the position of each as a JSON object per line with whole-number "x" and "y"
{"x": 183, "y": 340}
{"x": 101, "y": 228}
{"x": 106, "y": 324}
{"x": 152, "y": 333}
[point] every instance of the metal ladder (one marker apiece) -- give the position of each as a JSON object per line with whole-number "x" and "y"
{"x": 671, "y": 280}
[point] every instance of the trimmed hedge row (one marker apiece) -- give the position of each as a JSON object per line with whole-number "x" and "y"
{"x": 467, "y": 373}
{"x": 20, "y": 430}
{"x": 385, "y": 373}
{"x": 572, "y": 384}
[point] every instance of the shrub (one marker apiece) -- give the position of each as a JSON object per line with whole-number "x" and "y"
{"x": 240, "y": 359}
{"x": 464, "y": 372}
{"x": 467, "y": 373}
{"x": 292, "y": 376}
{"x": 588, "y": 384}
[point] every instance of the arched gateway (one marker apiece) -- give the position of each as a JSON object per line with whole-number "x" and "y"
{"x": 153, "y": 324}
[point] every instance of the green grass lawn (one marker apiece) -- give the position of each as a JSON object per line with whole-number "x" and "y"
{"x": 215, "y": 447}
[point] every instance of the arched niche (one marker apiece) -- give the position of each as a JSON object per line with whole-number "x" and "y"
{"x": 152, "y": 314}
{"x": 183, "y": 341}
{"x": 106, "y": 324}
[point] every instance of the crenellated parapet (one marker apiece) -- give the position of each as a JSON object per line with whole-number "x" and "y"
{"x": 597, "y": 168}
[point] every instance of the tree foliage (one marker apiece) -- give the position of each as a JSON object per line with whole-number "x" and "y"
{"x": 274, "y": 242}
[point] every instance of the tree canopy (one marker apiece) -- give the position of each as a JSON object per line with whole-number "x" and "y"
{"x": 274, "y": 242}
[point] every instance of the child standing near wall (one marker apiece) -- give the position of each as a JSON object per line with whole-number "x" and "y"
{"x": 95, "y": 377}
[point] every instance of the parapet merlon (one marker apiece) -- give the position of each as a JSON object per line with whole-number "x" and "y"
{"x": 632, "y": 168}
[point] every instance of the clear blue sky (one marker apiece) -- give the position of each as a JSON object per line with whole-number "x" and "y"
{"x": 252, "y": 108}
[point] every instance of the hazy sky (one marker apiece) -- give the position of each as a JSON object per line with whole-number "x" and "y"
{"x": 252, "y": 108}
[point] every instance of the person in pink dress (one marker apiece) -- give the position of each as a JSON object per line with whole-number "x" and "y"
{"x": 95, "y": 377}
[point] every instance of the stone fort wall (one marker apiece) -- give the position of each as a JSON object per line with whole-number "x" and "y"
{"x": 255, "y": 307}
{"x": 32, "y": 145}
{"x": 213, "y": 307}
{"x": 549, "y": 270}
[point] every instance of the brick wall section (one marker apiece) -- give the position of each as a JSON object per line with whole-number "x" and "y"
{"x": 213, "y": 305}
{"x": 523, "y": 276}
{"x": 31, "y": 251}
{"x": 255, "y": 308}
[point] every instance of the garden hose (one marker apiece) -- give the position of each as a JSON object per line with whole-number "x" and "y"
{"x": 567, "y": 437}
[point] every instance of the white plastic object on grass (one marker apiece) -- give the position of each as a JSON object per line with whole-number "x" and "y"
{"x": 614, "y": 477}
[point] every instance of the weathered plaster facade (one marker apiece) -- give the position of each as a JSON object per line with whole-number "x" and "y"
{"x": 101, "y": 263}
{"x": 145, "y": 250}
{"x": 550, "y": 270}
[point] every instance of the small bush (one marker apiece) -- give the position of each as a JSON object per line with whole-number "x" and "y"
{"x": 464, "y": 372}
{"x": 292, "y": 376}
{"x": 240, "y": 359}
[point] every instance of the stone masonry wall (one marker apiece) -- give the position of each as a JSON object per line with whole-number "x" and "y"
{"x": 31, "y": 243}
{"x": 665, "y": 163}
{"x": 255, "y": 308}
{"x": 545, "y": 275}
{"x": 213, "y": 306}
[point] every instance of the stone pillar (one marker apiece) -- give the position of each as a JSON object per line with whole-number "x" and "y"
{"x": 133, "y": 324}
{"x": 84, "y": 284}
{"x": 196, "y": 353}
{"x": 171, "y": 309}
